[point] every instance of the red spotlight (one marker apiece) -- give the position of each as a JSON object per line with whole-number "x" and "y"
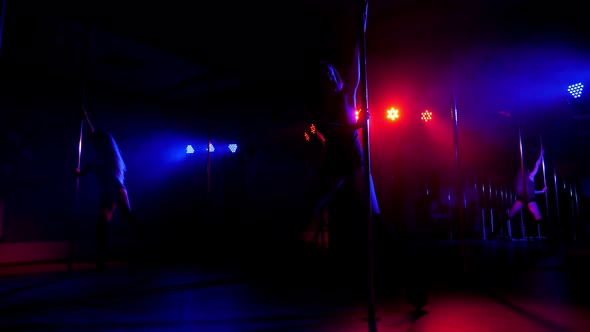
{"x": 392, "y": 114}
{"x": 312, "y": 128}
{"x": 306, "y": 135}
{"x": 426, "y": 116}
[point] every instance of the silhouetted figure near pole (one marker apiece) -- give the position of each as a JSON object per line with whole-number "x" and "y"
{"x": 525, "y": 191}
{"x": 108, "y": 167}
{"x": 332, "y": 106}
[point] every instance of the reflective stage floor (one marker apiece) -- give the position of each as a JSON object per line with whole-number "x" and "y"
{"x": 473, "y": 285}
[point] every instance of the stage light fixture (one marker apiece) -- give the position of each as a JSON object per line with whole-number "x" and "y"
{"x": 312, "y": 128}
{"x": 211, "y": 148}
{"x": 576, "y": 90}
{"x": 232, "y": 147}
{"x": 426, "y": 116}
{"x": 392, "y": 114}
{"x": 579, "y": 104}
{"x": 306, "y": 135}
{"x": 189, "y": 149}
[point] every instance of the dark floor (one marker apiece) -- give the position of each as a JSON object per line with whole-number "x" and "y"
{"x": 473, "y": 285}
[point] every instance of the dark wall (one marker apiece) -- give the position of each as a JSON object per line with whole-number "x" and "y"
{"x": 259, "y": 197}
{"x": 254, "y": 193}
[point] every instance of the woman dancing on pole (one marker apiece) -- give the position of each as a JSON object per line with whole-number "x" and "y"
{"x": 332, "y": 107}
{"x": 525, "y": 191}
{"x": 109, "y": 169}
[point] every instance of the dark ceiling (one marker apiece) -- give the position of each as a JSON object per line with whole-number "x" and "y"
{"x": 418, "y": 52}
{"x": 266, "y": 40}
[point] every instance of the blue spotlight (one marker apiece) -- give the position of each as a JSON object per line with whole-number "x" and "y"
{"x": 189, "y": 149}
{"x": 576, "y": 89}
{"x": 211, "y": 148}
{"x": 233, "y": 147}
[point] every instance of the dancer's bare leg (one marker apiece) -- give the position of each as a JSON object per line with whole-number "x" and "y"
{"x": 534, "y": 208}
{"x": 517, "y": 206}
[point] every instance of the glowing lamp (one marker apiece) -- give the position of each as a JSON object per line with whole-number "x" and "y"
{"x": 392, "y": 114}
{"x": 576, "y": 90}
{"x": 426, "y": 116}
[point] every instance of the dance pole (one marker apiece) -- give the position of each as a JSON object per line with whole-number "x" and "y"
{"x": 84, "y": 119}
{"x": 71, "y": 238}
{"x": 459, "y": 183}
{"x": 523, "y": 180}
{"x": 544, "y": 186}
{"x": 209, "y": 201}
{"x": 558, "y": 211}
{"x": 363, "y": 6}
{"x": 576, "y": 204}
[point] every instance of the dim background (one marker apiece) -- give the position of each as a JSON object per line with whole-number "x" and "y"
{"x": 161, "y": 77}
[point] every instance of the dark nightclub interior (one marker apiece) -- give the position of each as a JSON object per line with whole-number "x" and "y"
{"x": 207, "y": 103}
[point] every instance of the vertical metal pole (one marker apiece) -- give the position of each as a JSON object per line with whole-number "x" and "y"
{"x": 362, "y": 23}
{"x": 509, "y": 196}
{"x": 544, "y": 186}
{"x": 84, "y": 58}
{"x": 209, "y": 198}
{"x": 209, "y": 162}
{"x": 460, "y": 210}
{"x": 483, "y": 224}
{"x": 577, "y": 205}
{"x": 491, "y": 205}
{"x": 522, "y": 226}
{"x": 77, "y": 204}
{"x": 523, "y": 180}
{"x": 503, "y": 206}
{"x": 509, "y": 228}
{"x": 572, "y": 209}
{"x": 483, "y": 212}
{"x": 558, "y": 211}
